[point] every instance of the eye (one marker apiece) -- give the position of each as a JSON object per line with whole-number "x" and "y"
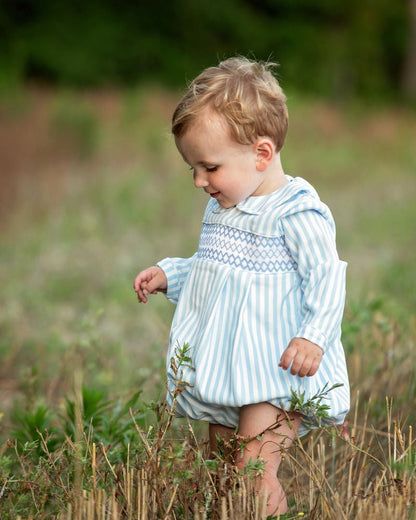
{"x": 211, "y": 169}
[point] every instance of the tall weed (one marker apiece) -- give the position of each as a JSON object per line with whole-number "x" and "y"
{"x": 98, "y": 458}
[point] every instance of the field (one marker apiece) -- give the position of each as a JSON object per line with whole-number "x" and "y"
{"x": 93, "y": 190}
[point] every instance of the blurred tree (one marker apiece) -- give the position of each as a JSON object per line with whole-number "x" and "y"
{"x": 409, "y": 71}
{"x": 329, "y": 48}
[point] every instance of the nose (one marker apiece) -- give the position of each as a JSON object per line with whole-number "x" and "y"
{"x": 200, "y": 179}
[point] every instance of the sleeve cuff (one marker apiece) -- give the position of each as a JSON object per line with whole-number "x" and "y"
{"x": 169, "y": 269}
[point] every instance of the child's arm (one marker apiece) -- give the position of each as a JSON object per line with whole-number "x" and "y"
{"x": 150, "y": 281}
{"x": 310, "y": 237}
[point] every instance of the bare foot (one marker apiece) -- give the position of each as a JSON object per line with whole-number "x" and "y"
{"x": 276, "y": 497}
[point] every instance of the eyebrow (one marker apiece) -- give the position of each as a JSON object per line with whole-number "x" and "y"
{"x": 206, "y": 163}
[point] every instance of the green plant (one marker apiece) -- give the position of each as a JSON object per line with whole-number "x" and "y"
{"x": 30, "y": 423}
{"x": 314, "y": 410}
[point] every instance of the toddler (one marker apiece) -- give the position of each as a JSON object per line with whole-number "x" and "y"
{"x": 260, "y": 303}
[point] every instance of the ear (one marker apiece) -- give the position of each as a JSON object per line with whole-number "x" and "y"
{"x": 264, "y": 149}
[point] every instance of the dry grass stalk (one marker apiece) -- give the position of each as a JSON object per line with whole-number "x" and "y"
{"x": 363, "y": 474}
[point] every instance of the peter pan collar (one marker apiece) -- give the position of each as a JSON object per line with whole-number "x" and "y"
{"x": 256, "y": 205}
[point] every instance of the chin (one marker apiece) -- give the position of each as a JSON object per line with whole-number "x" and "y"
{"x": 227, "y": 205}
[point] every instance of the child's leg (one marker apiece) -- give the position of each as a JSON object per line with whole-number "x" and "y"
{"x": 218, "y": 431}
{"x": 255, "y": 419}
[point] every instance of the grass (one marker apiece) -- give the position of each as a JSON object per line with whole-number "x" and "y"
{"x": 83, "y": 430}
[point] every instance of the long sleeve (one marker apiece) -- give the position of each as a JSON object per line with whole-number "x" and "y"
{"x": 176, "y": 271}
{"x": 310, "y": 237}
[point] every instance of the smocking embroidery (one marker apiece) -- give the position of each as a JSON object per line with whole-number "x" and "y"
{"x": 245, "y": 250}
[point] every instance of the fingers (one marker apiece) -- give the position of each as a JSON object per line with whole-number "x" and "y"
{"x": 302, "y": 356}
{"x": 140, "y": 286}
{"x": 287, "y": 357}
{"x": 149, "y": 281}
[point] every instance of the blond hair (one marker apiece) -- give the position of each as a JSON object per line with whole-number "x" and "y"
{"x": 245, "y": 92}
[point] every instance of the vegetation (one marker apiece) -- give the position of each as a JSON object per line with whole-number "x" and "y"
{"x": 84, "y": 432}
{"x": 334, "y": 49}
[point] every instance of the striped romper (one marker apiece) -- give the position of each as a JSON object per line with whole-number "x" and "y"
{"x": 266, "y": 271}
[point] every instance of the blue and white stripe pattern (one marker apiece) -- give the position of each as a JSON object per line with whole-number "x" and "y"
{"x": 266, "y": 271}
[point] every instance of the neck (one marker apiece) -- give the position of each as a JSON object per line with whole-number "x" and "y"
{"x": 275, "y": 175}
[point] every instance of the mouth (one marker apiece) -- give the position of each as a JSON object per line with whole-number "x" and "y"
{"x": 215, "y": 195}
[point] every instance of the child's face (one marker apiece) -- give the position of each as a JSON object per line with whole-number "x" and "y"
{"x": 225, "y": 169}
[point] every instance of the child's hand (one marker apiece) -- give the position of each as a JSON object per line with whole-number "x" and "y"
{"x": 150, "y": 281}
{"x": 306, "y": 357}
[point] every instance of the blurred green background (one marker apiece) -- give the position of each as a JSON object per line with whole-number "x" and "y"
{"x": 93, "y": 190}
{"x": 338, "y": 50}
